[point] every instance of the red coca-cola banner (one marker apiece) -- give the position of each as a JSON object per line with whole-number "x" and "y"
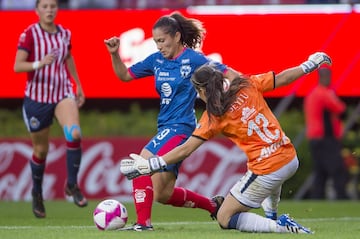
{"x": 210, "y": 170}
{"x": 251, "y": 39}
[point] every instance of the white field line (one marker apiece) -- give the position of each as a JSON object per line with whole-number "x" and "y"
{"x": 173, "y": 223}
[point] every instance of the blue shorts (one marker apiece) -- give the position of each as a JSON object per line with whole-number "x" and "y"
{"x": 37, "y": 116}
{"x": 166, "y": 139}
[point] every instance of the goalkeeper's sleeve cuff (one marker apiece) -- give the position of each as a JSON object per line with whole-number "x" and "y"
{"x": 308, "y": 66}
{"x": 157, "y": 163}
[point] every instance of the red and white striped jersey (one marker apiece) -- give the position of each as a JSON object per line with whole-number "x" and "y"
{"x": 51, "y": 83}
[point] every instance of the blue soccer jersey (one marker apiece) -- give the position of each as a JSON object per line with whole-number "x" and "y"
{"x": 172, "y": 79}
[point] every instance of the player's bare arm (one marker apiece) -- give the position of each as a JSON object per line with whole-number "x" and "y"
{"x": 112, "y": 44}
{"x": 287, "y": 76}
{"x": 23, "y": 65}
{"x": 312, "y": 63}
{"x": 182, "y": 151}
{"x": 138, "y": 165}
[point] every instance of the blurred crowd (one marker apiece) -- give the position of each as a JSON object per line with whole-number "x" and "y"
{"x": 156, "y": 4}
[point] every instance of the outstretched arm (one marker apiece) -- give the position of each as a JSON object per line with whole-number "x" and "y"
{"x": 182, "y": 151}
{"x": 137, "y": 165}
{"x": 291, "y": 74}
{"x": 287, "y": 76}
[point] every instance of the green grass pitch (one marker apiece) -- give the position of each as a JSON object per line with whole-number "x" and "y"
{"x": 329, "y": 219}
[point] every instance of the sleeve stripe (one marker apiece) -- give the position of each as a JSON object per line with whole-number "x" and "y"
{"x": 274, "y": 79}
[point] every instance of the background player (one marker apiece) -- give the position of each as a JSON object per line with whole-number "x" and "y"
{"x": 44, "y": 53}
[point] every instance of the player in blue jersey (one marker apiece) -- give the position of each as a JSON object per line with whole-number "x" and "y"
{"x": 176, "y": 38}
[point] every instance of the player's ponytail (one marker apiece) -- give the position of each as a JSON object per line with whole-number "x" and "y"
{"x": 191, "y": 30}
{"x": 218, "y": 99}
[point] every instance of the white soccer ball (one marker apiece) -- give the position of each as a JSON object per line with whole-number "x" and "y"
{"x": 110, "y": 214}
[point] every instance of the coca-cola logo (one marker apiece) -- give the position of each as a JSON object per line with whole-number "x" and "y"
{"x": 212, "y": 169}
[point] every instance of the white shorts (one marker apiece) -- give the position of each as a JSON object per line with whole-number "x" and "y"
{"x": 252, "y": 189}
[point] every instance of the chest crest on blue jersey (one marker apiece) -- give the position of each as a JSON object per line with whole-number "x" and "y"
{"x": 185, "y": 71}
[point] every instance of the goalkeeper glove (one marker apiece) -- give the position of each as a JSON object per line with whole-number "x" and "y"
{"x": 137, "y": 166}
{"x": 315, "y": 61}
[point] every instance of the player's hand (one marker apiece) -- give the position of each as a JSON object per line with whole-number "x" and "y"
{"x": 153, "y": 164}
{"x": 315, "y": 61}
{"x": 127, "y": 168}
{"x": 48, "y": 59}
{"x": 137, "y": 166}
{"x": 112, "y": 44}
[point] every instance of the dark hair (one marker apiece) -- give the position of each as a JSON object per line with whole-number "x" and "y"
{"x": 191, "y": 30}
{"x": 38, "y": 1}
{"x": 218, "y": 99}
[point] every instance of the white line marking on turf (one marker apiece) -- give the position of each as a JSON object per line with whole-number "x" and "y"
{"x": 175, "y": 223}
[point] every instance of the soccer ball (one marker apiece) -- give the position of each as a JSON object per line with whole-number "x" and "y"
{"x": 110, "y": 214}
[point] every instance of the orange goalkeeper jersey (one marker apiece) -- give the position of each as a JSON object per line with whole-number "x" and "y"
{"x": 252, "y": 126}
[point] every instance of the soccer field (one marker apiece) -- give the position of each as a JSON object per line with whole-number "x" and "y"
{"x": 329, "y": 219}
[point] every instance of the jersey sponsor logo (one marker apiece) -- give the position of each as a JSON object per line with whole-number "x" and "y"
{"x": 162, "y": 73}
{"x": 167, "y": 91}
{"x": 164, "y": 76}
{"x": 269, "y": 150}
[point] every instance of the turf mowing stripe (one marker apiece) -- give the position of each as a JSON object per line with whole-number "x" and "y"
{"x": 172, "y": 223}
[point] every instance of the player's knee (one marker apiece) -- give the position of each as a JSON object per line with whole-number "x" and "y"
{"x": 40, "y": 154}
{"x": 72, "y": 133}
{"x": 162, "y": 196}
{"x": 223, "y": 221}
{"x": 223, "y": 225}
{"x": 41, "y": 151}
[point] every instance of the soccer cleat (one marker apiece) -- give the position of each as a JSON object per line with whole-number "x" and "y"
{"x": 218, "y": 200}
{"x": 291, "y": 226}
{"x": 138, "y": 228}
{"x": 38, "y": 205}
{"x": 76, "y": 194}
